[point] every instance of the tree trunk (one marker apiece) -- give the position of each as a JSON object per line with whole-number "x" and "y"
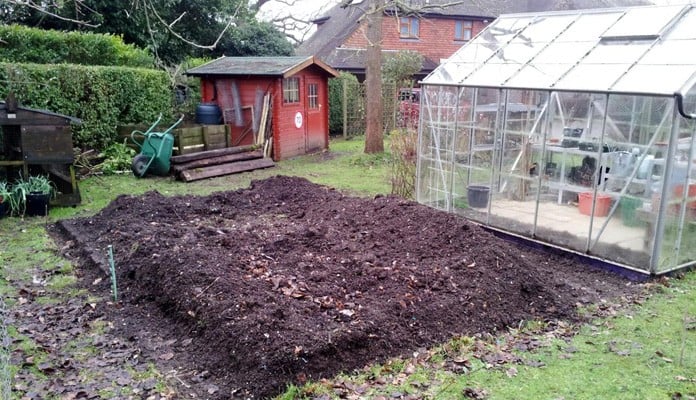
{"x": 374, "y": 141}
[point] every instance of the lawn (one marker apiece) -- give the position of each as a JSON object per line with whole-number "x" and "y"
{"x": 638, "y": 348}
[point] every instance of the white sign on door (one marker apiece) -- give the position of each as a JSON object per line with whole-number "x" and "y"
{"x": 298, "y": 120}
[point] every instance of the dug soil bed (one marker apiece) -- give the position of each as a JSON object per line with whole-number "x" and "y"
{"x": 289, "y": 280}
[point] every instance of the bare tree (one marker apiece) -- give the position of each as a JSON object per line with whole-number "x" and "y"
{"x": 292, "y": 17}
{"x": 374, "y": 135}
{"x": 374, "y": 140}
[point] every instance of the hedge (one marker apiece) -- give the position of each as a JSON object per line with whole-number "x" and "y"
{"x": 102, "y": 97}
{"x": 21, "y": 44}
{"x": 336, "y": 100}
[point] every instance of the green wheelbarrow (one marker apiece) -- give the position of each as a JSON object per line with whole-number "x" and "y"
{"x": 155, "y": 150}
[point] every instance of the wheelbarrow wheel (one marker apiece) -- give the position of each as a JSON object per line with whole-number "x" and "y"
{"x": 139, "y": 165}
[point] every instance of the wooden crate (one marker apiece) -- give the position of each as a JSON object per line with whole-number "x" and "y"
{"x": 187, "y": 140}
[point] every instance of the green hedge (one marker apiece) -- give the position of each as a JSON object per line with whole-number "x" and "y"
{"x": 102, "y": 97}
{"x": 31, "y": 45}
{"x": 336, "y": 100}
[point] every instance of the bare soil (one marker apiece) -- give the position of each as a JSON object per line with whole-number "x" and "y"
{"x": 288, "y": 281}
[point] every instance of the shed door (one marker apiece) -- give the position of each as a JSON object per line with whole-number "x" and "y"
{"x": 316, "y": 116}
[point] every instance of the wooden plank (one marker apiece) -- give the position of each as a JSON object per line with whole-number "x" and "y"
{"x": 206, "y": 162}
{"x": 187, "y": 150}
{"x": 225, "y": 169}
{"x": 191, "y": 132}
{"x": 212, "y": 153}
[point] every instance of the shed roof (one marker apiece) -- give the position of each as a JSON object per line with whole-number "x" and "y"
{"x": 636, "y": 50}
{"x": 5, "y": 109}
{"x": 259, "y": 66}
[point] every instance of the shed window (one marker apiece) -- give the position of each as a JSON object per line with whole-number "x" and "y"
{"x": 408, "y": 27}
{"x": 312, "y": 95}
{"x": 291, "y": 90}
{"x": 463, "y": 30}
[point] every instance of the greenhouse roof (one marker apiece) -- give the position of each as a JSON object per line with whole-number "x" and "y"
{"x": 638, "y": 50}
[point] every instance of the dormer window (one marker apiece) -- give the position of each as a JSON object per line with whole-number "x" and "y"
{"x": 408, "y": 27}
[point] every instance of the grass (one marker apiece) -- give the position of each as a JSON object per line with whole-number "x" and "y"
{"x": 645, "y": 351}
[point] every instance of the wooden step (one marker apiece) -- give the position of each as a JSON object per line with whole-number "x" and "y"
{"x": 225, "y": 169}
{"x": 206, "y": 162}
{"x": 211, "y": 153}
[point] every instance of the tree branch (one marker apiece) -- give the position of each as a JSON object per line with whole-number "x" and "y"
{"x": 169, "y": 27}
{"x": 42, "y": 9}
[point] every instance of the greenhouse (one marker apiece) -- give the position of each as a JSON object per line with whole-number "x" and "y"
{"x": 572, "y": 129}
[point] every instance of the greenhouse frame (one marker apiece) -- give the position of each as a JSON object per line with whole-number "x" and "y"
{"x": 571, "y": 129}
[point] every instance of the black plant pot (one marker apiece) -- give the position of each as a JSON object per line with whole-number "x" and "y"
{"x": 37, "y": 204}
{"x": 4, "y": 208}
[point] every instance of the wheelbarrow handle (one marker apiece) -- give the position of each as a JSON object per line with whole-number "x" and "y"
{"x": 181, "y": 118}
{"x": 144, "y": 134}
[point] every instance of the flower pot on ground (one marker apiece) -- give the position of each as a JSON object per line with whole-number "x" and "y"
{"x": 37, "y": 204}
{"x": 33, "y": 195}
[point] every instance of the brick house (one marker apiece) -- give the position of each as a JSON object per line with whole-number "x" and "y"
{"x": 427, "y": 27}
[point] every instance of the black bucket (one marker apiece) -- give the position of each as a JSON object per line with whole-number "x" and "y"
{"x": 37, "y": 204}
{"x": 208, "y": 114}
{"x": 478, "y": 196}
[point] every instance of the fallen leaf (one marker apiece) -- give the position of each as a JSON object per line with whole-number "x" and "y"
{"x": 511, "y": 372}
{"x": 166, "y": 356}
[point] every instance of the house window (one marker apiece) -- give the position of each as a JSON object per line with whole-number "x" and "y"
{"x": 291, "y": 90}
{"x": 408, "y": 27}
{"x": 313, "y": 96}
{"x": 463, "y": 30}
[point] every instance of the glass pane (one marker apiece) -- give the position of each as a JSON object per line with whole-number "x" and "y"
{"x": 636, "y": 130}
{"x": 690, "y": 100}
{"x": 538, "y": 75}
{"x": 503, "y": 29}
{"x": 590, "y": 25}
{"x": 491, "y": 75}
{"x": 437, "y": 146}
{"x": 475, "y": 157}
{"x": 643, "y": 21}
{"x": 515, "y": 187}
{"x": 672, "y": 52}
{"x": 592, "y": 77}
{"x": 450, "y": 73}
{"x": 685, "y": 245}
{"x": 685, "y": 27}
{"x": 545, "y": 29}
{"x": 474, "y": 52}
{"x": 564, "y": 52}
{"x": 658, "y": 79}
{"x": 615, "y": 53}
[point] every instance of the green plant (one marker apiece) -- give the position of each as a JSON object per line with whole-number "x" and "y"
{"x": 5, "y": 192}
{"x": 34, "y": 184}
{"x": 22, "y": 44}
{"x": 5, "y": 198}
{"x": 118, "y": 158}
{"x": 41, "y": 184}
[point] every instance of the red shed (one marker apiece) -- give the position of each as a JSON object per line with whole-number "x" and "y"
{"x": 298, "y": 92}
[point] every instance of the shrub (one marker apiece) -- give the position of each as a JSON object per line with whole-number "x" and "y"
{"x": 403, "y": 148}
{"x": 102, "y": 97}
{"x": 118, "y": 158}
{"x": 32, "y": 45}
